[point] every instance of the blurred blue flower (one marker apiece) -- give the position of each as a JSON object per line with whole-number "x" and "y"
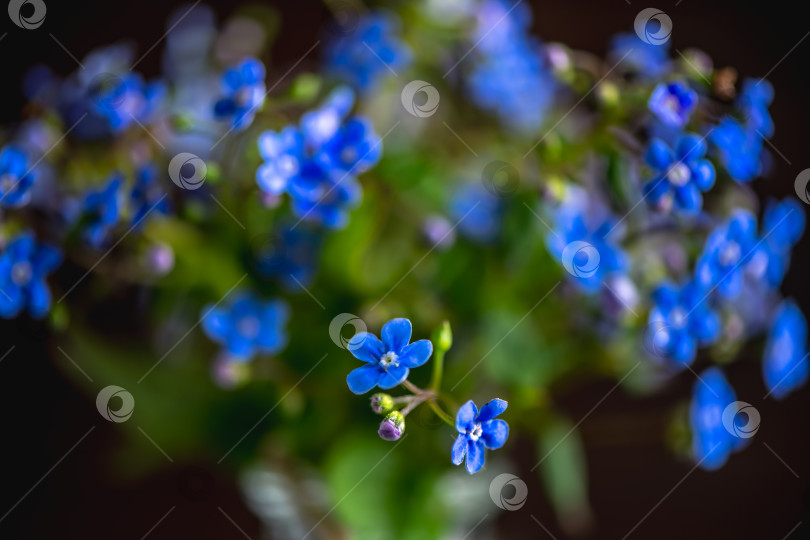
{"x": 753, "y": 102}
{"x": 244, "y": 93}
{"x": 23, "y": 267}
{"x": 282, "y": 153}
{"x": 388, "y": 362}
{"x": 247, "y": 326}
{"x": 364, "y": 56}
{"x": 101, "y": 210}
{"x": 680, "y": 321}
{"x": 291, "y": 256}
{"x": 712, "y": 443}
{"x": 478, "y": 431}
{"x": 784, "y": 365}
{"x": 15, "y": 179}
{"x": 147, "y": 196}
{"x": 639, "y": 56}
{"x": 476, "y": 212}
{"x": 740, "y": 149}
{"x": 673, "y": 103}
{"x": 728, "y": 248}
{"x": 682, "y": 175}
{"x": 782, "y": 226}
{"x": 354, "y": 148}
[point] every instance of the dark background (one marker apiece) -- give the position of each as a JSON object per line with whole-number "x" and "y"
{"x": 630, "y": 470}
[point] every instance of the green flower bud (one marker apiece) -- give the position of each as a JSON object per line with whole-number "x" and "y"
{"x": 381, "y": 403}
{"x": 443, "y": 337}
{"x": 392, "y": 426}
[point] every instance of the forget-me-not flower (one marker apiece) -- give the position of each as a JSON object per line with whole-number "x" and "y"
{"x": 102, "y": 210}
{"x": 727, "y": 250}
{"x": 15, "y": 179}
{"x": 784, "y": 365}
{"x": 24, "y": 265}
{"x": 247, "y": 326}
{"x": 673, "y": 103}
{"x": 712, "y": 443}
{"x": 244, "y": 93}
{"x": 681, "y": 175}
{"x": 478, "y": 431}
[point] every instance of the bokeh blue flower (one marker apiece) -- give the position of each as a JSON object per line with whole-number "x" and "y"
{"x": 24, "y": 265}
{"x": 247, "y": 325}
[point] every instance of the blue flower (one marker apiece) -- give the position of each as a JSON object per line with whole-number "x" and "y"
{"x": 291, "y": 256}
{"x": 673, "y": 103}
{"x": 784, "y": 365}
{"x": 753, "y": 102}
{"x": 712, "y": 443}
{"x": 283, "y": 153}
{"x": 23, "y": 267}
{"x": 639, "y": 56}
{"x": 478, "y": 431}
{"x": 354, "y": 148}
{"x": 476, "y": 211}
{"x": 680, "y": 321}
{"x": 247, "y": 326}
{"x": 364, "y": 56}
{"x": 147, "y": 197}
{"x": 15, "y": 179}
{"x": 388, "y": 362}
{"x": 782, "y": 226}
{"x": 102, "y": 211}
{"x": 727, "y": 250}
{"x": 682, "y": 175}
{"x": 740, "y": 149}
{"x": 244, "y": 92}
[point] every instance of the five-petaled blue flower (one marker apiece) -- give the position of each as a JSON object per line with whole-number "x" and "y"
{"x": 727, "y": 249}
{"x": 23, "y": 267}
{"x": 682, "y": 175}
{"x": 15, "y": 179}
{"x": 712, "y": 443}
{"x": 784, "y": 365}
{"x": 244, "y": 93}
{"x": 478, "y": 431}
{"x": 388, "y": 362}
{"x": 673, "y": 103}
{"x": 680, "y": 321}
{"x": 102, "y": 210}
{"x": 247, "y": 326}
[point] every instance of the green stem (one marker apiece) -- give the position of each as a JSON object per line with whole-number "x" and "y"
{"x": 438, "y": 369}
{"x": 440, "y": 413}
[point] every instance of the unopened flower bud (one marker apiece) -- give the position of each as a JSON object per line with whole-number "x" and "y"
{"x": 381, "y": 403}
{"x": 392, "y": 427}
{"x": 443, "y": 337}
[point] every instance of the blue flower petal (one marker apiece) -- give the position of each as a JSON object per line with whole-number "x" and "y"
{"x": 363, "y": 379}
{"x": 393, "y": 377}
{"x": 491, "y": 410}
{"x": 416, "y": 354}
{"x": 658, "y": 155}
{"x": 217, "y": 324}
{"x": 396, "y": 334}
{"x": 495, "y": 434}
{"x": 475, "y": 456}
{"x": 39, "y": 301}
{"x": 366, "y": 347}
{"x": 466, "y": 416}
{"x": 459, "y": 450}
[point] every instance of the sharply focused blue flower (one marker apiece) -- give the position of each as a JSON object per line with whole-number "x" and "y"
{"x": 15, "y": 178}
{"x": 247, "y": 326}
{"x": 628, "y": 51}
{"x": 478, "y": 431}
{"x": 681, "y": 175}
{"x": 388, "y": 362}
{"x": 753, "y": 102}
{"x": 147, "y": 197}
{"x": 23, "y": 267}
{"x": 680, "y": 321}
{"x": 739, "y": 149}
{"x": 102, "y": 210}
{"x": 368, "y": 52}
{"x": 728, "y": 248}
{"x": 244, "y": 93}
{"x": 673, "y": 103}
{"x": 782, "y": 226}
{"x": 712, "y": 443}
{"x": 784, "y": 365}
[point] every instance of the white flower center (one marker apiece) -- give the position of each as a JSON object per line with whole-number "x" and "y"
{"x": 678, "y": 316}
{"x": 476, "y": 432}
{"x": 249, "y": 326}
{"x": 21, "y": 273}
{"x": 679, "y": 174}
{"x": 730, "y": 254}
{"x": 389, "y": 359}
{"x": 7, "y": 183}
